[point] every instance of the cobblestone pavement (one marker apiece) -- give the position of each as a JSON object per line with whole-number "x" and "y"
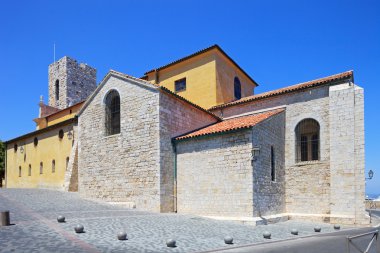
{"x": 34, "y": 212}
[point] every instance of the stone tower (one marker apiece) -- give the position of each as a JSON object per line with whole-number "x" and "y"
{"x": 70, "y": 82}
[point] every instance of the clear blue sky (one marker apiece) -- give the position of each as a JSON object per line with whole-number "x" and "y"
{"x": 278, "y": 43}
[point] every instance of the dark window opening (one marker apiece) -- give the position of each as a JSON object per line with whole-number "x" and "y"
{"x": 67, "y": 163}
{"x": 180, "y": 85}
{"x": 15, "y": 147}
{"x": 272, "y": 164}
{"x": 112, "y": 113}
{"x": 41, "y": 167}
{"x": 57, "y": 89}
{"x": 60, "y": 134}
{"x": 19, "y": 171}
{"x": 35, "y": 141}
{"x": 307, "y": 141}
{"x": 237, "y": 88}
{"x": 53, "y": 166}
{"x": 30, "y": 170}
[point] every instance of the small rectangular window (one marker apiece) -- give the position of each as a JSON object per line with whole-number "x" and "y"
{"x": 180, "y": 85}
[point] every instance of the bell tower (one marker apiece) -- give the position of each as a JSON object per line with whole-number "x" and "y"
{"x": 70, "y": 82}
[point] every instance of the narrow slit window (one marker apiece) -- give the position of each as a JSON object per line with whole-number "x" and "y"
{"x": 53, "y": 166}
{"x": 19, "y": 171}
{"x": 272, "y": 164}
{"x": 57, "y": 90}
{"x": 41, "y": 168}
{"x": 30, "y": 170}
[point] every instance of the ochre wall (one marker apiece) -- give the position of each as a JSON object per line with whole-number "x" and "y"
{"x": 225, "y": 76}
{"x": 209, "y": 79}
{"x": 49, "y": 147}
{"x": 199, "y": 72}
{"x": 63, "y": 115}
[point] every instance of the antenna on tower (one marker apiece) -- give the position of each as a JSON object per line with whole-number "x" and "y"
{"x": 54, "y": 51}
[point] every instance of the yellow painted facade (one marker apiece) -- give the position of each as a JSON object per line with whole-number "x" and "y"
{"x": 29, "y": 157}
{"x": 209, "y": 78}
{"x": 59, "y": 116}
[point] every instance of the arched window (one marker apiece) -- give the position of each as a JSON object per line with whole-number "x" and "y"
{"x": 30, "y": 170}
{"x": 19, "y": 171}
{"x": 41, "y": 167}
{"x": 112, "y": 113}
{"x": 57, "y": 89}
{"x": 237, "y": 88}
{"x": 53, "y": 166}
{"x": 307, "y": 140}
{"x": 35, "y": 141}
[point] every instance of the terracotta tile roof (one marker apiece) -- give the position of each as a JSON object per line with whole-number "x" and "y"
{"x": 198, "y": 53}
{"x": 289, "y": 89}
{"x": 232, "y": 124}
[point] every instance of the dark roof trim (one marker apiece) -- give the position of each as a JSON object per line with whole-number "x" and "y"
{"x": 43, "y": 130}
{"x": 326, "y": 81}
{"x": 189, "y": 102}
{"x": 201, "y": 52}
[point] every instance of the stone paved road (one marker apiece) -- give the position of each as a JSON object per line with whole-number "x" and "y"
{"x": 34, "y": 214}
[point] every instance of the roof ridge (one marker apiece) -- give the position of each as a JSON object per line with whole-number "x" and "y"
{"x": 215, "y": 46}
{"x": 291, "y": 88}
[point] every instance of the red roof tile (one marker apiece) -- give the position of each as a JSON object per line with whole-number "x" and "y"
{"x": 293, "y": 88}
{"x": 232, "y": 124}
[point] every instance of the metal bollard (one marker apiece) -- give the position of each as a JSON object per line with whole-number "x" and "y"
{"x": 4, "y": 218}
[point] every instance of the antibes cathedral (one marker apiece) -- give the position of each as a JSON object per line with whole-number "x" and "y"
{"x": 194, "y": 137}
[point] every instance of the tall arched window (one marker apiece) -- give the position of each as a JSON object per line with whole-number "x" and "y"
{"x": 57, "y": 89}
{"x": 30, "y": 170}
{"x": 237, "y": 88}
{"x": 41, "y": 168}
{"x": 112, "y": 113}
{"x": 307, "y": 140}
{"x": 19, "y": 171}
{"x": 53, "y": 166}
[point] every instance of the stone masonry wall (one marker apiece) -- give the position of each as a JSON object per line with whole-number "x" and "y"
{"x": 268, "y": 195}
{"x": 176, "y": 118}
{"x": 308, "y": 183}
{"x": 76, "y": 82}
{"x": 215, "y": 175}
{"x": 347, "y": 152}
{"x": 123, "y": 167}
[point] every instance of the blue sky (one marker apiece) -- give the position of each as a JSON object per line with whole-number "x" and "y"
{"x": 278, "y": 43}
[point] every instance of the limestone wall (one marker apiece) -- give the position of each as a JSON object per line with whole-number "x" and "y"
{"x": 331, "y": 189}
{"x": 123, "y": 167}
{"x": 347, "y": 152}
{"x": 215, "y": 175}
{"x": 268, "y": 195}
{"x": 176, "y": 118}
{"x": 76, "y": 82}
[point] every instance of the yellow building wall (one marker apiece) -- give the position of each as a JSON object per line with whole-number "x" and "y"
{"x": 49, "y": 147}
{"x": 63, "y": 115}
{"x": 200, "y": 74}
{"x": 209, "y": 79}
{"x": 226, "y": 73}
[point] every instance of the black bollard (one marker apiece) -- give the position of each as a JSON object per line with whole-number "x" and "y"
{"x": 4, "y": 218}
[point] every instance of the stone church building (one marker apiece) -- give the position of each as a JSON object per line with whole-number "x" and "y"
{"x": 193, "y": 137}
